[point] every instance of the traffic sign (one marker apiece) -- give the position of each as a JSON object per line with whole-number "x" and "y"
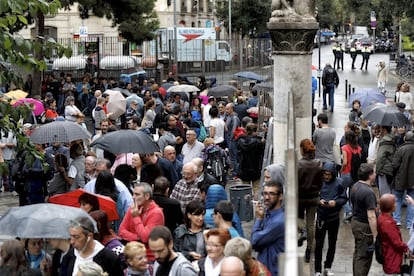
{"x": 83, "y": 31}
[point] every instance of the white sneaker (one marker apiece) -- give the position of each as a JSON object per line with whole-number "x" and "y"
{"x": 318, "y": 274}
{"x": 14, "y": 193}
{"x": 328, "y": 272}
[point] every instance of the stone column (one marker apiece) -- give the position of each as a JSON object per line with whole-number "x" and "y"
{"x": 292, "y": 30}
{"x": 292, "y": 56}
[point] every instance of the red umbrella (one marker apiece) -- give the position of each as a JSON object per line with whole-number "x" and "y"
{"x": 72, "y": 199}
{"x": 38, "y": 105}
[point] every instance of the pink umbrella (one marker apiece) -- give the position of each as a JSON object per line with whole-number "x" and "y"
{"x": 38, "y": 105}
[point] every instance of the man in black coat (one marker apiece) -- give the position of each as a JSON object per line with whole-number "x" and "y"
{"x": 85, "y": 247}
{"x": 170, "y": 206}
{"x": 241, "y": 108}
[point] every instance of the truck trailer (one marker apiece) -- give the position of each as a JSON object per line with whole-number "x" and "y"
{"x": 197, "y": 49}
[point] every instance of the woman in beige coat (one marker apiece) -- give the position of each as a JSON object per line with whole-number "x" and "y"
{"x": 382, "y": 76}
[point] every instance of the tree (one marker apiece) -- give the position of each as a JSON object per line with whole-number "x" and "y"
{"x": 15, "y": 15}
{"x": 247, "y": 16}
{"x": 326, "y": 15}
{"x": 136, "y": 20}
{"x": 18, "y": 14}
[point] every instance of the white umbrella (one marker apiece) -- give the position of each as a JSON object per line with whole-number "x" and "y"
{"x": 116, "y": 104}
{"x": 183, "y": 88}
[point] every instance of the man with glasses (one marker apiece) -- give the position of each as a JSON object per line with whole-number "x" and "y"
{"x": 85, "y": 248}
{"x": 187, "y": 188}
{"x": 268, "y": 233}
{"x": 192, "y": 148}
{"x": 168, "y": 262}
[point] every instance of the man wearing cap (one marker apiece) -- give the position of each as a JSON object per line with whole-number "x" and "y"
{"x": 85, "y": 248}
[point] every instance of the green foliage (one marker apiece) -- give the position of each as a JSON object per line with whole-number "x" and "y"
{"x": 326, "y": 15}
{"x": 15, "y": 15}
{"x": 136, "y": 20}
{"x": 11, "y": 121}
{"x": 248, "y": 16}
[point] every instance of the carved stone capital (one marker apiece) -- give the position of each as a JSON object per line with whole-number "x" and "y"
{"x": 292, "y": 37}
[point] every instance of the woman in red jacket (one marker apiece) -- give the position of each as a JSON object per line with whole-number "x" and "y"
{"x": 393, "y": 247}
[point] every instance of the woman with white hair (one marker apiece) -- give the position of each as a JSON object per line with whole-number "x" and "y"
{"x": 72, "y": 112}
{"x": 382, "y": 76}
{"x": 90, "y": 269}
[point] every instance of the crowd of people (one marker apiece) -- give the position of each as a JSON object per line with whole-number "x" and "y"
{"x": 162, "y": 198}
{"x": 174, "y": 214}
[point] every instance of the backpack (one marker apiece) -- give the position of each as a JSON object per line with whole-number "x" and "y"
{"x": 378, "y": 250}
{"x": 355, "y": 164}
{"x": 42, "y": 118}
{"x": 202, "y": 135}
{"x": 215, "y": 162}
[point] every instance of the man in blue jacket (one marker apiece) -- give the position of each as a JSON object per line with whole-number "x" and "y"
{"x": 268, "y": 233}
{"x": 332, "y": 198}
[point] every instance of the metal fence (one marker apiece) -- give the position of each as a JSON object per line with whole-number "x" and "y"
{"x": 128, "y": 58}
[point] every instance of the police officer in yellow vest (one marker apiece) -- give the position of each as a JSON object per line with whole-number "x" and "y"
{"x": 366, "y": 52}
{"x": 353, "y": 53}
{"x": 334, "y": 49}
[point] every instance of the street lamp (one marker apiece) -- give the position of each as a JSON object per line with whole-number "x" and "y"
{"x": 175, "y": 39}
{"x": 230, "y": 20}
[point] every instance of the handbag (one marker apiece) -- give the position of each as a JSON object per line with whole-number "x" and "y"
{"x": 405, "y": 268}
{"x": 337, "y": 154}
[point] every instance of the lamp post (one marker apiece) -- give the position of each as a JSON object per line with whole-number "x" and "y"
{"x": 175, "y": 39}
{"x": 230, "y": 20}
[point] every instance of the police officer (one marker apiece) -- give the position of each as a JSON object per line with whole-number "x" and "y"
{"x": 366, "y": 52}
{"x": 340, "y": 56}
{"x": 353, "y": 53}
{"x": 334, "y": 49}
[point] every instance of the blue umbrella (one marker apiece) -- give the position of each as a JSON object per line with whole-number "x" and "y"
{"x": 367, "y": 96}
{"x": 250, "y": 75}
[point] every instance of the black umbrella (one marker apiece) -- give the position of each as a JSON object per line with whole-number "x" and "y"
{"x": 125, "y": 141}
{"x": 386, "y": 116}
{"x": 222, "y": 91}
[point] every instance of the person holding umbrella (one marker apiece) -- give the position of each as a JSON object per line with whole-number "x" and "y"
{"x": 36, "y": 256}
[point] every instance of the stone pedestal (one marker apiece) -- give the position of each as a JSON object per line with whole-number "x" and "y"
{"x": 293, "y": 40}
{"x": 292, "y": 55}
